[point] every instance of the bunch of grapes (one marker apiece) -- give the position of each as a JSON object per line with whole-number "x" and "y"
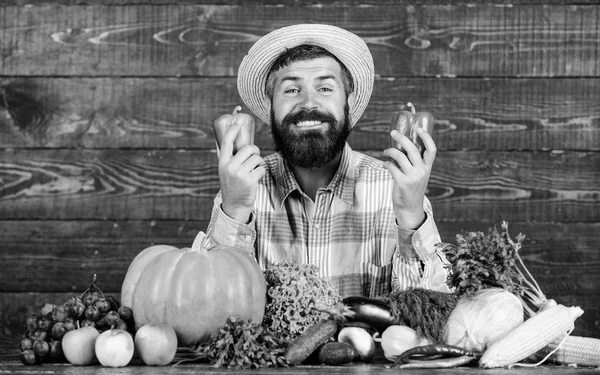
{"x": 44, "y": 331}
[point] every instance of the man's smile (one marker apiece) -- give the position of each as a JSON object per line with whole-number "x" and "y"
{"x": 311, "y": 124}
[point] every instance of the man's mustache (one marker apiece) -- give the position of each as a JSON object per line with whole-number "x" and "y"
{"x": 306, "y": 115}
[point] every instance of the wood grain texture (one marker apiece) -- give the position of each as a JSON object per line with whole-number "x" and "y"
{"x": 69, "y": 252}
{"x": 210, "y": 40}
{"x": 36, "y": 251}
{"x": 164, "y": 184}
{"x": 505, "y": 3}
{"x": 158, "y": 113}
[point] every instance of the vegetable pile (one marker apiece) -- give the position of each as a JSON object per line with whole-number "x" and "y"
{"x": 487, "y": 271}
{"x": 294, "y": 292}
{"x": 496, "y": 315}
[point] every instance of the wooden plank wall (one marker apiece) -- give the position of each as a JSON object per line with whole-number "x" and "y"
{"x": 106, "y": 144}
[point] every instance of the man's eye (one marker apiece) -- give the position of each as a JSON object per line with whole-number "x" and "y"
{"x": 291, "y": 90}
{"x": 326, "y": 89}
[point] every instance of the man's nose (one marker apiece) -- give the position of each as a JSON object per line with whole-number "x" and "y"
{"x": 309, "y": 100}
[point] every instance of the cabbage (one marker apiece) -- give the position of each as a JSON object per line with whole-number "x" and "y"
{"x": 480, "y": 320}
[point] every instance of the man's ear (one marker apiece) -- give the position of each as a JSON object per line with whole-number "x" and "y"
{"x": 351, "y": 101}
{"x": 267, "y": 103}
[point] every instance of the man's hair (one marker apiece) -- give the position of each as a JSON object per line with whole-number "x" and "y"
{"x": 301, "y": 53}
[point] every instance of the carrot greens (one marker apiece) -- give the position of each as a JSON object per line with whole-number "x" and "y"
{"x": 480, "y": 261}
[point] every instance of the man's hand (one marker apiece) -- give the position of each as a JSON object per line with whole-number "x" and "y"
{"x": 238, "y": 175}
{"x": 411, "y": 175}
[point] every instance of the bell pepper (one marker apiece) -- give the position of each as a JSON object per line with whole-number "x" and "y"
{"x": 246, "y": 135}
{"x": 407, "y": 122}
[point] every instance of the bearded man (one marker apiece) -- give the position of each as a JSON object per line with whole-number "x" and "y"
{"x": 366, "y": 224}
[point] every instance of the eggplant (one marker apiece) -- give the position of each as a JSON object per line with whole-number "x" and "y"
{"x": 374, "y": 312}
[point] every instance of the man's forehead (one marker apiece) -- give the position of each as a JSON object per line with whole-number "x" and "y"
{"x": 321, "y": 67}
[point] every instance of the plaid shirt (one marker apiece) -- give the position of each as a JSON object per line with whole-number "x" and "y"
{"x": 349, "y": 232}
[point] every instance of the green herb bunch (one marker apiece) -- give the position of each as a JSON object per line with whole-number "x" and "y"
{"x": 480, "y": 261}
{"x": 294, "y": 293}
{"x": 242, "y": 345}
{"x": 425, "y": 310}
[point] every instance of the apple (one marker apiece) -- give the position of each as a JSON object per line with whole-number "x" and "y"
{"x": 114, "y": 348}
{"x": 156, "y": 344}
{"x": 78, "y": 346}
{"x": 360, "y": 339}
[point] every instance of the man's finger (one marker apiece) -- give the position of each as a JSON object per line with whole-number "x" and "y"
{"x": 396, "y": 173}
{"x": 250, "y": 163}
{"x": 408, "y": 147}
{"x": 399, "y": 157}
{"x": 227, "y": 143}
{"x": 258, "y": 172}
{"x": 430, "y": 147}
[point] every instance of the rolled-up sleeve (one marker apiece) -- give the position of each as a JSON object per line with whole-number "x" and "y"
{"x": 223, "y": 230}
{"x": 429, "y": 269}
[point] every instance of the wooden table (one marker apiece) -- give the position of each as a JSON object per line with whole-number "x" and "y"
{"x": 15, "y": 367}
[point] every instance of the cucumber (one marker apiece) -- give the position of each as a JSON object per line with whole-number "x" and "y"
{"x": 337, "y": 353}
{"x": 305, "y": 344}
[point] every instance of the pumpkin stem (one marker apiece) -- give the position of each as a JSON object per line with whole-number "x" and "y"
{"x": 412, "y": 108}
{"x": 237, "y": 109}
{"x": 198, "y": 241}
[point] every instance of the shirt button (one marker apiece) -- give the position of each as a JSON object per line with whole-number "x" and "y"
{"x": 417, "y": 243}
{"x": 317, "y": 226}
{"x": 247, "y": 237}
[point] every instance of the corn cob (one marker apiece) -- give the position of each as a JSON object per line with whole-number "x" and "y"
{"x": 531, "y": 336}
{"x": 582, "y": 351}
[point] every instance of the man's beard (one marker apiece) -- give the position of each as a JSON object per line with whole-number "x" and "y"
{"x": 310, "y": 148}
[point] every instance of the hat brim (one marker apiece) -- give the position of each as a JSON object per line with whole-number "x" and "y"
{"x": 349, "y": 48}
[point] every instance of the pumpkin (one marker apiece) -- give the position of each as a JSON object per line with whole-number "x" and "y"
{"x": 194, "y": 290}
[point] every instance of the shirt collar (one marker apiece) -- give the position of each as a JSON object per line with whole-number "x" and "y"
{"x": 342, "y": 184}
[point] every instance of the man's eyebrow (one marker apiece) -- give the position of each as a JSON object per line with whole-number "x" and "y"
{"x": 325, "y": 77}
{"x": 296, "y": 78}
{"x": 290, "y": 78}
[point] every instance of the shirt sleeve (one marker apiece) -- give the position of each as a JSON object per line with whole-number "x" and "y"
{"x": 223, "y": 230}
{"x": 429, "y": 270}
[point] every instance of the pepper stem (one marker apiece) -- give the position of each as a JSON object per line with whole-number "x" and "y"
{"x": 198, "y": 241}
{"x": 412, "y": 108}
{"x": 237, "y": 109}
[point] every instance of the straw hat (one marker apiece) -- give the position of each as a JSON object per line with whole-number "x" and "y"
{"x": 349, "y": 48}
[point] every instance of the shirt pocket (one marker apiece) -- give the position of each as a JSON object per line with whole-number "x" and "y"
{"x": 377, "y": 280}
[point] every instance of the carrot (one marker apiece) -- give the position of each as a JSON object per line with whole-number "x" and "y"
{"x": 305, "y": 344}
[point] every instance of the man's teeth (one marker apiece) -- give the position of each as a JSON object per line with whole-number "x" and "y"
{"x": 308, "y": 123}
